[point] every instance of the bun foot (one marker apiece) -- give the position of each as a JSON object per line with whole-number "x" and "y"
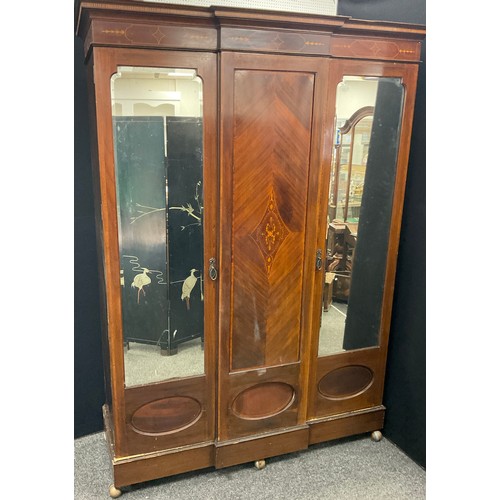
{"x": 260, "y": 464}
{"x": 114, "y": 492}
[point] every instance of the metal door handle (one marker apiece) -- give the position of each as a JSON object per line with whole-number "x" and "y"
{"x": 212, "y": 271}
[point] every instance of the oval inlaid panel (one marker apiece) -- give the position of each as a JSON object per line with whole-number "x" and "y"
{"x": 166, "y": 415}
{"x": 345, "y": 382}
{"x": 263, "y": 400}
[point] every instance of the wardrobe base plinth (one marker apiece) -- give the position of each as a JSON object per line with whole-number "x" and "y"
{"x": 346, "y": 424}
{"x": 141, "y": 468}
{"x": 259, "y": 448}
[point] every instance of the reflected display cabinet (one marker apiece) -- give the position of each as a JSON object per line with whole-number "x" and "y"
{"x": 249, "y": 173}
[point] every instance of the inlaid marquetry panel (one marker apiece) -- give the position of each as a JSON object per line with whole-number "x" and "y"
{"x": 274, "y": 41}
{"x": 152, "y": 35}
{"x": 367, "y": 47}
{"x": 272, "y": 134}
{"x": 270, "y": 233}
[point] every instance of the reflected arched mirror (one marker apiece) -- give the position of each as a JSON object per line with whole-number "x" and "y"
{"x": 158, "y": 142}
{"x": 351, "y": 155}
{"x": 359, "y": 211}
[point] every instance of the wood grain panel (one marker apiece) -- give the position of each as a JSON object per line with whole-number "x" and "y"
{"x": 274, "y": 41}
{"x": 271, "y": 151}
{"x": 166, "y": 415}
{"x": 235, "y": 425}
{"x": 263, "y": 400}
{"x": 272, "y": 135}
{"x": 337, "y": 395}
{"x": 345, "y": 382}
{"x": 347, "y": 424}
{"x": 153, "y": 466}
{"x": 261, "y": 447}
{"x": 392, "y": 49}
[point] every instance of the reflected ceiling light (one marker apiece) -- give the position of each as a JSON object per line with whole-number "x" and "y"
{"x": 181, "y": 74}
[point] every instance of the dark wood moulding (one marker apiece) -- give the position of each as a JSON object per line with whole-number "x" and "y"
{"x": 156, "y": 25}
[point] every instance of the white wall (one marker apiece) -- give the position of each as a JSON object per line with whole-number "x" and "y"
{"x": 153, "y": 94}
{"x": 324, "y": 7}
{"x": 353, "y": 95}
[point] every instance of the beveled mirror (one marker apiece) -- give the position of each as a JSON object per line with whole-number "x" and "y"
{"x": 158, "y": 142}
{"x": 359, "y": 211}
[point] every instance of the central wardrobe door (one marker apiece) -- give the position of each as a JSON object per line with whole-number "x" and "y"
{"x": 270, "y": 159}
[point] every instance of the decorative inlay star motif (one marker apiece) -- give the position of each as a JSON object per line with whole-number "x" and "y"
{"x": 277, "y": 42}
{"x": 159, "y": 36}
{"x": 270, "y": 233}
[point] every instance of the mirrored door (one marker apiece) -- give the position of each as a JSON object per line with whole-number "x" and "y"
{"x": 361, "y": 202}
{"x": 359, "y": 211}
{"x": 158, "y": 141}
{"x": 159, "y": 111}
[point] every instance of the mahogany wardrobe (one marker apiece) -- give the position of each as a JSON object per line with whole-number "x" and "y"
{"x": 249, "y": 172}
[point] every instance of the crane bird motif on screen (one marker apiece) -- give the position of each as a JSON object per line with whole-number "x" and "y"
{"x": 187, "y": 287}
{"x": 140, "y": 281}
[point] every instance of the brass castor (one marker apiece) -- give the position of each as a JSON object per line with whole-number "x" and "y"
{"x": 376, "y": 436}
{"x": 260, "y": 464}
{"x": 114, "y": 492}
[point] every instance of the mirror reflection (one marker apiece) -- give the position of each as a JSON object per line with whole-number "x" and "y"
{"x": 158, "y": 145}
{"x": 359, "y": 211}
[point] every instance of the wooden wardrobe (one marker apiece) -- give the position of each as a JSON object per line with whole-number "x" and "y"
{"x": 248, "y": 211}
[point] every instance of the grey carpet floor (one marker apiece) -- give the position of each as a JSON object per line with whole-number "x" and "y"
{"x": 144, "y": 364}
{"x": 352, "y": 468}
{"x": 331, "y": 333}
